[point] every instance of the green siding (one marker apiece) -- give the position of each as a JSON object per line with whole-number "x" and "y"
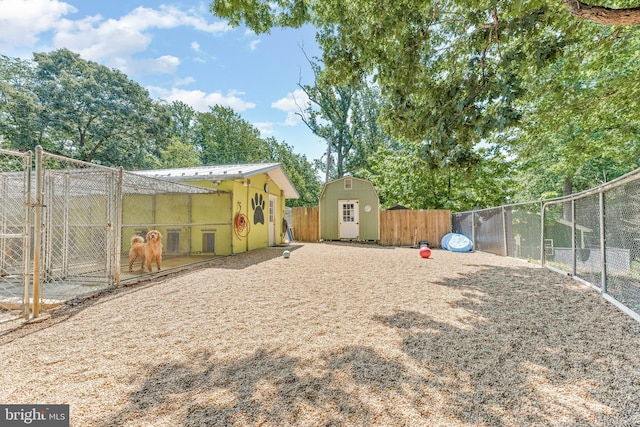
{"x": 362, "y": 191}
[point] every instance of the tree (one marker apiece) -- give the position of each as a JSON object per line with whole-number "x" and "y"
{"x": 450, "y": 72}
{"x": 97, "y": 114}
{"x": 604, "y": 15}
{"x": 224, "y": 137}
{"x": 80, "y": 109}
{"x": 20, "y": 108}
{"x": 178, "y": 155}
{"x": 402, "y": 175}
{"x": 346, "y": 117}
{"x": 301, "y": 173}
{"x": 579, "y": 124}
{"x": 183, "y": 122}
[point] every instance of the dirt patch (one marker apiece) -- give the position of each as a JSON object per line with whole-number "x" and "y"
{"x": 338, "y": 334}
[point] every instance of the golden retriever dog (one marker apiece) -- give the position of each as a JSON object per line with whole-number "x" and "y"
{"x": 149, "y": 251}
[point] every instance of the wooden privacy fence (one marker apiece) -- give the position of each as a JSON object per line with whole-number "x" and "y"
{"x": 405, "y": 227}
{"x": 306, "y": 224}
{"x": 397, "y": 227}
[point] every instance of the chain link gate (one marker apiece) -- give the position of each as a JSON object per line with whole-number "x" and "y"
{"x": 15, "y": 224}
{"x": 77, "y": 228}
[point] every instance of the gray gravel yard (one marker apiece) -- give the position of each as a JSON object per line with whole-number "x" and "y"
{"x": 339, "y": 334}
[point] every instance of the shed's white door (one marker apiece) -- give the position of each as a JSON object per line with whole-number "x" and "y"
{"x": 348, "y": 222}
{"x": 272, "y": 219}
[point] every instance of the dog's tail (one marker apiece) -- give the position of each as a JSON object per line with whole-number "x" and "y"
{"x": 136, "y": 239}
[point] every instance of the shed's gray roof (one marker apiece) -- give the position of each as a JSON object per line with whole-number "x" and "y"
{"x": 228, "y": 172}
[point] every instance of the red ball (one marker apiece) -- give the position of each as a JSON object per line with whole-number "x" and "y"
{"x": 425, "y": 252}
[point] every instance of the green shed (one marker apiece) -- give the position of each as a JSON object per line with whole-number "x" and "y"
{"x": 349, "y": 210}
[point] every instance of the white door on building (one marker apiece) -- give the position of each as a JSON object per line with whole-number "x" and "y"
{"x": 348, "y": 221}
{"x": 272, "y": 219}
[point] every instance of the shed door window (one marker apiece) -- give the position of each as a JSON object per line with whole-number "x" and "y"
{"x": 349, "y": 212}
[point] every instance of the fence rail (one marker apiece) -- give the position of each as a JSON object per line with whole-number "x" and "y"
{"x": 594, "y": 236}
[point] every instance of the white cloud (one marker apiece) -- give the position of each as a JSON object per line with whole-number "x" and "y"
{"x": 166, "y": 64}
{"x": 201, "y": 101}
{"x": 292, "y": 104}
{"x": 195, "y": 46}
{"x": 265, "y": 128}
{"x": 254, "y": 44}
{"x": 185, "y": 81}
{"x": 22, "y": 21}
{"x": 112, "y": 42}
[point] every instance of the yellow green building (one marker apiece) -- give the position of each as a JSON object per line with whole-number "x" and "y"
{"x": 245, "y": 212}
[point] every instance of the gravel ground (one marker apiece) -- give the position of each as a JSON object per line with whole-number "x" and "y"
{"x": 338, "y": 334}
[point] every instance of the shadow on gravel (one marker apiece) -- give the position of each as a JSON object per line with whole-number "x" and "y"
{"x": 544, "y": 350}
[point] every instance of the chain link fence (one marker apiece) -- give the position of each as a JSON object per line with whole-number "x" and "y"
{"x": 15, "y": 221}
{"x": 510, "y": 230}
{"x": 61, "y": 227}
{"x": 594, "y": 236}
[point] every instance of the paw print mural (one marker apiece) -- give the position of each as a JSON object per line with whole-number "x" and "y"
{"x": 258, "y": 204}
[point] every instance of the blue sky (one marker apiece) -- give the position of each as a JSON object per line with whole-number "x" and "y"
{"x": 178, "y": 50}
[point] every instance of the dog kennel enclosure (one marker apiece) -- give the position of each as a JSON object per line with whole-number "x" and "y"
{"x": 65, "y": 227}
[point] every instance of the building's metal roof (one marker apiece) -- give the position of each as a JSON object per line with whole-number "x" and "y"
{"x": 227, "y": 172}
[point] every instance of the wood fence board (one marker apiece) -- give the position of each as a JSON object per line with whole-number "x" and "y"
{"x": 402, "y": 227}
{"x": 306, "y": 224}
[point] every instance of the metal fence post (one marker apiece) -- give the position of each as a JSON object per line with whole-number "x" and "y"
{"x": 473, "y": 229}
{"x": 118, "y": 225}
{"x": 573, "y": 237}
{"x": 603, "y": 247}
{"x": 26, "y": 240}
{"x": 37, "y": 233}
{"x": 542, "y": 254}
{"x": 504, "y": 231}
{"x": 65, "y": 223}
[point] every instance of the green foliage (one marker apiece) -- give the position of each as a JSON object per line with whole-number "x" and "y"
{"x": 346, "y": 117}
{"x": 301, "y": 173}
{"x": 558, "y": 93}
{"x": 223, "y": 137}
{"x": 79, "y": 109}
{"x": 20, "y": 109}
{"x": 402, "y": 176}
{"x": 178, "y": 155}
{"x": 183, "y": 122}
{"x": 88, "y": 112}
{"x": 579, "y": 121}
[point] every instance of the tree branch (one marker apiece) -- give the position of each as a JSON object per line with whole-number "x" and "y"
{"x": 603, "y": 15}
